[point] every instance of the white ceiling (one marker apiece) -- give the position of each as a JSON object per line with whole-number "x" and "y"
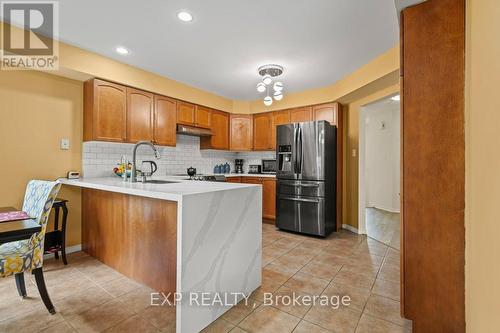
{"x": 317, "y": 41}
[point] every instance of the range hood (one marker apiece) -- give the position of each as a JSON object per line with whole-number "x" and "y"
{"x": 193, "y": 131}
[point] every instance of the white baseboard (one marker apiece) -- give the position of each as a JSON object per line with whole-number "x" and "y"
{"x": 350, "y": 228}
{"x": 70, "y": 249}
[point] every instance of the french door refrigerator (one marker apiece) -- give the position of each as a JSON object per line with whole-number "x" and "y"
{"x": 306, "y": 177}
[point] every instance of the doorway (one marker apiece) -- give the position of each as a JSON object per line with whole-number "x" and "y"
{"x": 379, "y": 171}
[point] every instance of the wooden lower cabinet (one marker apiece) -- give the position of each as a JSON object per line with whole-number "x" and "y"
{"x": 114, "y": 230}
{"x": 268, "y": 193}
{"x": 233, "y": 179}
{"x": 269, "y": 198}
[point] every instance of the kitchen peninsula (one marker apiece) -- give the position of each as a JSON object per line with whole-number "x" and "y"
{"x": 183, "y": 237}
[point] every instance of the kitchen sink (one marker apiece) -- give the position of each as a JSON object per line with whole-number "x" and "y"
{"x": 159, "y": 181}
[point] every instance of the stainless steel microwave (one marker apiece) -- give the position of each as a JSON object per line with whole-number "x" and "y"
{"x": 268, "y": 166}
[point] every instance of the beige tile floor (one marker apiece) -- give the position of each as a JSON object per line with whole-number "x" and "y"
{"x": 91, "y": 297}
{"x": 383, "y": 226}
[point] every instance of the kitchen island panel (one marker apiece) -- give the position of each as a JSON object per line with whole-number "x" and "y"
{"x": 221, "y": 251}
{"x": 137, "y": 236}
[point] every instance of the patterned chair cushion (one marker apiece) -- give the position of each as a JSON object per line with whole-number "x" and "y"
{"x": 16, "y": 257}
{"x": 20, "y": 256}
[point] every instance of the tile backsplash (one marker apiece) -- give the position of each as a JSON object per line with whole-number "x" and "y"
{"x": 99, "y": 158}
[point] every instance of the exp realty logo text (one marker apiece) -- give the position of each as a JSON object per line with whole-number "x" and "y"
{"x": 30, "y": 35}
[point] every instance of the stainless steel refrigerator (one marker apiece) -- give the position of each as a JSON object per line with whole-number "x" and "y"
{"x": 306, "y": 177}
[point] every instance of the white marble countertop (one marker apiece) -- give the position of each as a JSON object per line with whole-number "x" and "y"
{"x": 264, "y": 175}
{"x": 173, "y": 191}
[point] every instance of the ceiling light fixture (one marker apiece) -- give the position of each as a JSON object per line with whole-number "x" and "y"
{"x": 268, "y": 73}
{"x": 278, "y": 95}
{"x": 184, "y": 16}
{"x": 396, "y": 98}
{"x": 122, "y": 50}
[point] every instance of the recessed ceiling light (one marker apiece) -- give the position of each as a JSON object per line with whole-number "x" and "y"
{"x": 185, "y": 16}
{"x": 396, "y": 98}
{"x": 122, "y": 50}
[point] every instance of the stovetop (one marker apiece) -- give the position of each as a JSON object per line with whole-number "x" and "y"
{"x": 208, "y": 178}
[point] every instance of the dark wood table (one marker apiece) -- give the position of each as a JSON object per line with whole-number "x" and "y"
{"x": 17, "y": 230}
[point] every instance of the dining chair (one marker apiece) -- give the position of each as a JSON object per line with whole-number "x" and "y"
{"x": 27, "y": 255}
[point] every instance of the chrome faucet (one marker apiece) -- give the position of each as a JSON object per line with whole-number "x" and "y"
{"x": 133, "y": 177}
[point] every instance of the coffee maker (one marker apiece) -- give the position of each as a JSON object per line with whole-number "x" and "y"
{"x": 238, "y": 165}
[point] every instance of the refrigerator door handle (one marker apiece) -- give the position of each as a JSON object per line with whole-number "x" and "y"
{"x": 299, "y": 148}
{"x": 300, "y": 184}
{"x": 294, "y": 148}
{"x": 300, "y": 199}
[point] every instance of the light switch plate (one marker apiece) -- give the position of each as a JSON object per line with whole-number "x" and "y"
{"x": 64, "y": 144}
{"x": 354, "y": 153}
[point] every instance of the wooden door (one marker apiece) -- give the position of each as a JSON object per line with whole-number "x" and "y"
{"x": 233, "y": 179}
{"x": 279, "y": 118}
{"x": 185, "y": 113}
{"x": 299, "y": 115}
{"x": 241, "y": 132}
{"x": 202, "y": 117}
{"x": 269, "y": 198}
{"x": 262, "y": 128}
{"x": 326, "y": 112}
{"x": 165, "y": 119}
{"x": 220, "y": 130}
{"x": 433, "y": 166}
{"x": 139, "y": 115}
{"x": 105, "y": 111}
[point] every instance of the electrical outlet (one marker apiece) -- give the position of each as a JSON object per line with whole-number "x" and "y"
{"x": 354, "y": 153}
{"x": 64, "y": 144}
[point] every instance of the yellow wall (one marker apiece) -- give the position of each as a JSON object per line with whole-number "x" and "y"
{"x": 36, "y": 111}
{"x": 352, "y": 143}
{"x": 482, "y": 269}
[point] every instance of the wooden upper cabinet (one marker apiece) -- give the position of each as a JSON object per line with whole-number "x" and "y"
{"x": 299, "y": 115}
{"x": 262, "y": 128}
{"x": 202, "y": 117}
{"x": 165, "y": 121}
{"x": 194, "y": 115}
{"x": 328, "y": 112}
{"x": 139, "y": 115}
{"x": 269, "y": 198}
{"x": 185, "y": 113}
{"x": 279, "y": 118}
{"x": 105, "y": 111}
{"x": 240, "y": 131}
{"x": 220, "y": 130}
